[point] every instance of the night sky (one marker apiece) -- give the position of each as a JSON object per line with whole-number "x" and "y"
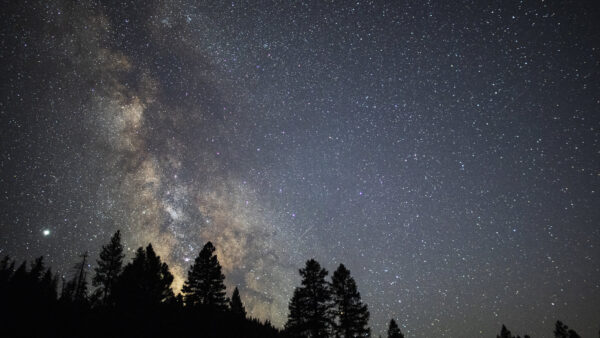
{"x": 447, "y": 153}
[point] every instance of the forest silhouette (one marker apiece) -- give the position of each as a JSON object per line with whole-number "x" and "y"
{"x": 136, "y": 300}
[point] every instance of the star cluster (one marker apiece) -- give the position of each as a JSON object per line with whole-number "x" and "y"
{"x": 447, "y": 153}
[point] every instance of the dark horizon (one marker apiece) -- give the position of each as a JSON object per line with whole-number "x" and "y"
{"x": 121, "y": 297}
{"x": 447, "y": 154}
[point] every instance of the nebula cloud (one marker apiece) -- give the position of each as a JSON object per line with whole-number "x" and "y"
{"x": 174, "y": 195}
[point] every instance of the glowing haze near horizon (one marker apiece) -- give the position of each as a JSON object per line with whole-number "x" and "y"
{"x": 447, "y": 154}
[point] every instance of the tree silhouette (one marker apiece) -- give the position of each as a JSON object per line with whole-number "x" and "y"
{"x": 33, "y": 288}
{"x": 504, "y": 333}
{"x": 37, "y": 268}
{"x": 75, "y": 290}
{"x": 394, "y": 330}
{"x": 7, "y": 268}
{"x": 562, "y": 331}
{"x": 236, "y": 305}
{"x": 109, "y": 267}
{"x": 143, "y": 306}
{"x": 48, "y": 285}
{"x": 67, "y": 290}
{"x": 311, "y": 305}
{"x": 352, "y": 316}
{"x": 145, "y": 281}
{"x": 27, "y": 282}
{"x": 204, "y": 285}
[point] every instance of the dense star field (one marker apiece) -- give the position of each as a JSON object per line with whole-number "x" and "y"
{"x": 447, "y": 153}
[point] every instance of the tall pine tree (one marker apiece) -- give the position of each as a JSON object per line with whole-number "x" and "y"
{"x": 562, "y": 331}
{"x": 80, "y": 280}
{"x": 352, "y": 316}
{"x": 204, "y": 285}
{"x": 145, "y": 281}
{"x": 236, "y": 305}
{"x": 310, "y": 309}
{"x": 394, "y": 330}
{"x": 75, "y": 289}
{"x": 109, "y": 267}
{"x": 504, "y": 333}
{"x": 7, "y": 268}
{"x": 48, "y": 285}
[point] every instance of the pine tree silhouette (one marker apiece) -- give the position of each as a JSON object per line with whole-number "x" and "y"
{"x": 80, "y": 292}
{"x": 204, "y": 285}
{"x": 31, "y": 284}
{"x": 311, "y": 306}
{"x": 504, "y": 333}
{"x": 145, "y": 281}
{"x": 7, "y": 268}
{"x": 48, "y": 285}
{"x": 236, "y": 305}
{"x": 37, "y": 268}
{"x": 67, "y": 290}
{"x": 75, "y": 289}
{"x": 109, "y": 267}
{"x": 562, "y": 331}
{"x": 394, "y": 330}
{"x": 352, "y": 316}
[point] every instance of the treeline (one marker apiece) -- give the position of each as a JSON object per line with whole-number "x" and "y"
{"x": 128, "y": 300}
{"x": 560, "y": 331}
{"x": 136, "y": 300}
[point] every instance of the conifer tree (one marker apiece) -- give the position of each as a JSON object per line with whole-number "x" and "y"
{"x": 311, "y": 306}
{"x": 352, "y": 316}
{"x": 109, "y": 266}
{"x": 67, "y": 290}
{"x": 236, "y": 305}
{"x": 48, "y": 285}
{"x": 204, "y": 285}
{"x": 19, "y": 278}
{"x": 75, "y": 289}
{"x": 37, "y": 269}
{"x": 145, "y": 281}
{"x": 80, "y": 291}
{"x": 394, "y": 330}
{"x": 7, "y": 268}
{"x": 504, "y": 333}
{"x": 562, "y": 331}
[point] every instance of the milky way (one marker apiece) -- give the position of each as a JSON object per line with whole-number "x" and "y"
{"x": 448, "y": 155}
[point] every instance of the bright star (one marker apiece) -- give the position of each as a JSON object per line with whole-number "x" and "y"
{"x": 46, "y": 232}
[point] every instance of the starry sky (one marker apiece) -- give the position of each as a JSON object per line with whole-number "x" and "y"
{"x": 448, "y": 153}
